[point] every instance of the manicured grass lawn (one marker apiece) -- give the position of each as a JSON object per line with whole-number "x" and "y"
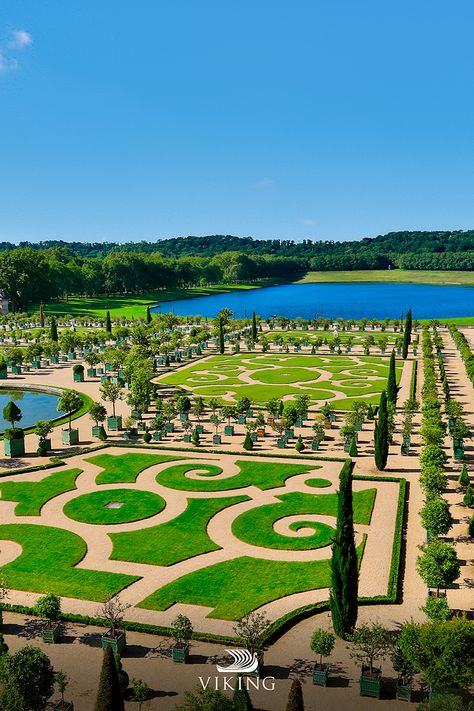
{"x": 264, "y": 475}
{"x": 318, "y": 483}
{"x": 235, "y": 587}
{"x": 276, "y": 375}
{"x": 124, "y": 468}
{"x": 32, "y": 495}
{"x": 407, "y": 276}
{"x": 171, "y": 542}
{"x": 92, "y": 508}
{"x": 47, "y": 564}
{"x": 256, "y": 526}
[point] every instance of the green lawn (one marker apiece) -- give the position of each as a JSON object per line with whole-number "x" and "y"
{"x": 336, "y": 378}
{"x": 93, "y": 507}
{"x": 236, "y": 587}
{"x": 264, "y": 475}
{"x": 32, "y": 495}
{"x": 407, "y": 276}
{"x": 171, "y": 542}
{"x": 47, "y": 564}
{"x": 256, "y": 526}
{"x": 124, "y": 468}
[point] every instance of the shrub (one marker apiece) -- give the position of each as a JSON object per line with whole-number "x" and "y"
{"x": 436, "y": 516}
{"x": 437, "y": 609}
{"x": 299, "y": 446}
{"x": 147, "y": 437}
{"x": 464, "y": 476}
{"x": 248, "y": 444}
{"x": 102, "y": 434}
{"x": 433, "y": 454}
{"x": 14, "y": 433}
{"x": 48, "y": 606}
{"x": 470, "y": 528}
{"x": 468, "y": 499}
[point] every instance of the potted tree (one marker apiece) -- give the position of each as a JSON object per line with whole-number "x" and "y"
{"x": 111, "y": 392}
{"x": 327, "y": 412}
{"x": 216, "y": 421}
{"x": 62, "y": 682}
{"x": 97, "y": 413}
{"x": 78, "y": 373}
{"x": 250, "y": 629}
{"x": 405, "y": 673}
{"x": 49, "y": 608}
{"x": 319, "y": 432}
{"x": 92, "y": 360}
{"x": 13, "y": 438}
{"x": 370, "y": 642}
{"x": 322, "y": 643}
{"x": 112, "y": 610}
{"x": 69, "y": 402}
{"x": 182, "y": 633}
{"x": 187, "y": 427}
{"x": 43, "y": 428}
{"x": 228, "y": 412}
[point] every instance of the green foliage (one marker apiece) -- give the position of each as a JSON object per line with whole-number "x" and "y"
{"x": 299, "y": 446}
{"x": 122, "y": 674}
{"x": 344, "y": 566}
{"x": 12, "y": 413}
{"x": 93, "y": 507}
{"x": 26, "y": 680}
{"x": 69, "y": 402}
{"x": 205, "y": 700}
{"x": 463, "y": 479}
{"x": 48, "y": 606}
{"x": 97, "y": 412}
{"x": 182, "y": 629}
{"x": 140, "y": 691}
{"x": 248, "y": 444}
{"x": 438, "y": 565}
{"x": 381, "y": 435}
{"x": 353, "y": 452}
{"x": 468, "y": 498}
{"x": 32, "y": 495}
{"x": 470, "y": 527}
{"x": 195, "y": 439}
{"x": 437, "y": 609}
{"x": 371, "y": 641}
{"x": 53, "y": 332}
{"x": 109, "y": 694}
{"x": 442, "y": 651}
{"x": 108, "y": 322}
{"x": 436, "y": 516}
{"x": 240, "y": 698}
{"x": 407, "y": 334}
{"x": 392, "y": 389}
{"x": 322, "y": 643}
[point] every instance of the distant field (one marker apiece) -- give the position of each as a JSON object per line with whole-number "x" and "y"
{"x": 407, "y": 276}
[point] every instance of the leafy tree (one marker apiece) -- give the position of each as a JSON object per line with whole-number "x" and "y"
{"x": 69, "y": 402}
{"x": 195, "y": 439}
{"x": 437, "y": 608}
{"x": 97, "y": 413}
{"x": 353, "y": 452}
{"x": 221, "y": 337}
{"x": 43, "y": 429}
{"x": 371, "y": 642}
{"x": 433, "y": 480}
{"x": 111, "y": 392}
{"x": 208, "y": 699}
{"x": 61, "y": 680}
{"x": 381, "y": 435}
{"x": 295, "y": 697}
{"x": 48, "y": 607}
{"x": 109, "y": 694}
{"x": 392, "y": 380}
{"x": 322, "y": 643}
{"x": 470, "y": 527}
{"x": 148, "y": 315}
{"x": 27, "y": 680}
{"x": 442, "y": 651}
{"x": 438, "y": 565}
{"x": 344, "y": 566}
{"x": 436, "y": 516}
{"x": 12, "y": 413}
{"x": 140, "y": 692}
{"x": 250, "y": 630}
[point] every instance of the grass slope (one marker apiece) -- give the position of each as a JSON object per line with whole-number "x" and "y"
{"x": 407, "y": 276}
{"x": 47, "y": 564}
{"x": 32, "y": 495}
{"x": 124, "y": 468}
{"x": 171, "y": 542}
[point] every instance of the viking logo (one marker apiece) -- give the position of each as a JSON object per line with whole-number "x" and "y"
{"x": 244, "y": 662}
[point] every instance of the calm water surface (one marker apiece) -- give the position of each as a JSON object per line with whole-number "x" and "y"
{"x": 366, "y": 300}
{"x": 33, "y": 405}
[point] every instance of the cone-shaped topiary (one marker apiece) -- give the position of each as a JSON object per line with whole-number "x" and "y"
{"x": 392, "y": 380}
{"x": 108, "y": 322}
{"x": 468, "y": 499}
{"x": 295, "y": 697}
{"x": 148, "y": 315}
{"x": 299, "y": 446}
{"x": 381, "y": 435}
{"x": 109, "y": 694}
{"x": 353, "y": 452}
{"x": 248, "y": 444}
{"x": 53, "y": 330}
{"x": 407, "y": 334}
{"x": 463, "y": 476}
{"x": 470, "y": 528}
{"x": 240, "y": 698}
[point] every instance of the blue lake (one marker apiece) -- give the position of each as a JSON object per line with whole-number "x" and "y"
{"x": 365, "y": 300}
{"x": 33, "y": 405}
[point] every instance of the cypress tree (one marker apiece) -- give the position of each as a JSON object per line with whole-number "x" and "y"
{"x": 54, "y": 330}
{"x": 248, "y": 444}
{"x": 109, "y": 694}
{"x": 241, "y": 699}
{"x": 407, "y": 334}
{"x": 344, "y": 566}
{"x": 254, "y": 327}
{"x": 148, "y": 315}
{"x": 381, "y": 435}
{"x": 464, "y": 476}
{"x": 295, "y": 697}
{"x": 392, "y": 380}
{"x": 353, "y": 452}
{"x": 108, "y": 322}
{"x": 221, "y": 337}
{"x": 41, "y": 316}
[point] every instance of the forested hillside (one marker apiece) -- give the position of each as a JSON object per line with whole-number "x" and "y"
{"x": 31, "y": 273}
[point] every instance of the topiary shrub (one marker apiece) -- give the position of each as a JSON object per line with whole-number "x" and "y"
{"x": 468, "y": 499}
{"x": 470, "y": 528}
{"x": 299, "y": 446}
{"x": 102, "y": 434}
{"x": 464, "y": 476}
{"x": 147, "y": 437}
{"x": 248, "y": 444}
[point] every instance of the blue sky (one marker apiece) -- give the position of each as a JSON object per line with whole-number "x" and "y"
{"x": 316, "y": 118}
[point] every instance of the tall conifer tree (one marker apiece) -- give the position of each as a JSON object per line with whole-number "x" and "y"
{"x": 221, "y": 337}
{"x": 392, "y": 380}
{"x": 381, "y": 435}
{"x": 109, "y": 694}
{"x": 254, "y": 327}
{"x": 344, "y": 566}
{"x": 108, "y": 323}
{"x": 407, "y": 334}
{"x": 53, "y": 330}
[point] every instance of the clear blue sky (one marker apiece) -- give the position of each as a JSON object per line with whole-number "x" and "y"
{"x": 327, "y": 119}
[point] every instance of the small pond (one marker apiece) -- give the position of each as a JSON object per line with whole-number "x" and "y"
{"x": 34, "y": 406}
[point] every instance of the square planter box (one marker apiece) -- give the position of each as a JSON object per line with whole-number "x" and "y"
{"x": 289, "y": 432}
{"x": 3, "y": 373}
{"x": 36, "y": 365}
{"x": 16, "y": 369}
{"x": 281, "y": 443}
{"x": 117, "y": 643}
{"x": 51, "y": 634}
{"x": 184, "y": 417}
{"x": 169, "y": 427}
{"x": 78, "y": 377}
{"x": 370, "y": 685}
{"x": 99, "y": 371}
{"x": 315, "y": 445}
{"x": 320, "y": 674}
{"x": 114, "y": 423}
{"x": 216, "y": 439}
{"x": 403, "y": 691}
{"x": 229, "y": 430}
{"x": 180, "y": 653}
{"x": 91, "y": 372}
{"x": 253, "y": 436}
{"x": 71, "y": 356}
{"x": 54, "y": 359}
{"x": 70, "y": 436}
{"x": 241, "y": 419}
{"x": 47, "y": 444}
{"x": 14, "y": 447}
{"x": 199, "y": 429}
{"x": 95, "y": 431}
{"x": 63, "y": 359}
{"x": 187, "y": 438}
{"x": 64, "y": 706}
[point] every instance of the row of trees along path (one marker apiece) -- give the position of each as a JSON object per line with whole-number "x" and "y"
{"x": 461, "y": 597}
